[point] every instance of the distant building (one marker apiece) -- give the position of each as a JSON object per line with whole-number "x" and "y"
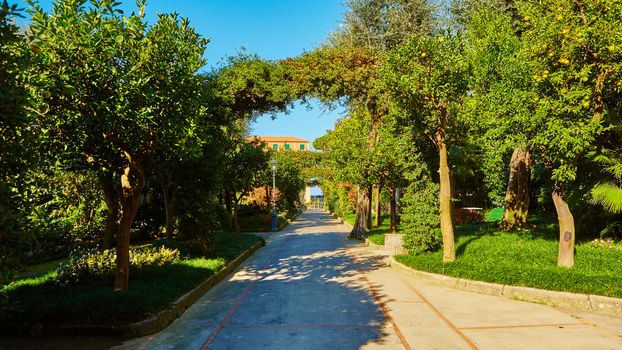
{"x": 288, "y": 143}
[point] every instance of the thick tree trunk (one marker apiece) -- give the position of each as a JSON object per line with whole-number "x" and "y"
{"x": 130, "y": 202}
{"x": 378, "y": 191}
{"x": 393, "y": 204}
{"x": 361, "y": 223}
{"x": 111, "y": 198}
{"x": 517, "y": 196}
{"x": 565, "y": 258}
{"x": 446, "y": 206}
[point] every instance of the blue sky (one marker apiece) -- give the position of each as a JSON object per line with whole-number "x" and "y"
{"x": 273, "y": 29}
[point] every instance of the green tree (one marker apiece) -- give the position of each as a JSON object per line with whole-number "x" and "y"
{"x": 245, "y": 164}
{"x": 289, "y": 180}
{"x": 575, "y": 49}
{"x": 501, "y": 109}
{"x": 115, "y": 91}
{"x": 429, "y": 79}
{"x": 346, "y": 69}
{"x": 16, "y": 136}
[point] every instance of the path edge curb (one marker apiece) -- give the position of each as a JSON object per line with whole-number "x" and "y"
{"x": 569, "y": 301}
{"x": 290, "y": 220}
{"x": 164, "y": 318}
{"x": 150, "y": 325}
{"x": 373, "y": 246}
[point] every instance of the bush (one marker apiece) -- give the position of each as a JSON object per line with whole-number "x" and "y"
{"x": 417, "y": 243}
{"x": 89, "y": 265}
{"x": 420, "y": 220}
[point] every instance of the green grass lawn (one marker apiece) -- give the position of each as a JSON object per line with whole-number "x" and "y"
{"x": 40, "y": 300}
{"x": 526, "y": 259}
{"x": 350, "y": 218}
{"x": 43, "y": 268}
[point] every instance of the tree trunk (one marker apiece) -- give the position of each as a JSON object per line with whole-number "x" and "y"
{"x": 235, "y": 221}
{"x": 170, "y": 222}
{"x": 228, "y": 202}
{"x": 393, "y": 204}
{"x": 565, "y": 258}
{"x": 111, "y": 198}
{"x": 446, "y": 206}
{"x": 130, "y": 202}
{"x": 378, "y": 191}
{"x": 516, "y": 205}
{"x": 362, "y": 208}
{"x": 370, "y": 191}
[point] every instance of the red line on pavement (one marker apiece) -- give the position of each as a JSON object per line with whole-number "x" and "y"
{"x": 522, "y": 326}
{"x": 589, "y": 323}
{"x": 239, "y": 301}
{"x": 383, "y": 307}
{"x": 302, "y": 326}
{"x": 443, "y": 317}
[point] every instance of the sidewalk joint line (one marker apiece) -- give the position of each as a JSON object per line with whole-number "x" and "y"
{"x": 522, "y": 326}
{"x": 592, "y": 324}
{"x": 442, "y": 316}
{"x": 383, "y": 307}
{"x": 302, "y": 326}
{"x": 239, "y": 300}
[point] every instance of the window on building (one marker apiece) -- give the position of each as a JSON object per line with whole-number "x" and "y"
{"x": 302, "y": 146}
{"x": 275, "y": 146}
{"x": 287, "y": 146}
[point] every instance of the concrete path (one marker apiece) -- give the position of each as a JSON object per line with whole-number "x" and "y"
{"x": 312, "y": 288}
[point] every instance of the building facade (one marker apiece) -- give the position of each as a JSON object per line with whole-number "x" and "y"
{"x": 287, "y": 143}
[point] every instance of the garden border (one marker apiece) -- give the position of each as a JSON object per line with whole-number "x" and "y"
{"x": 151, "y": 325}
{"x": 572, "y": 301}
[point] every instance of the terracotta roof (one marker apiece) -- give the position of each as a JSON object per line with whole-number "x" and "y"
{"x": 277, "y": 138}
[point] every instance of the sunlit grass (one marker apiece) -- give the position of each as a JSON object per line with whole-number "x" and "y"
{"x": 526, "y": 259}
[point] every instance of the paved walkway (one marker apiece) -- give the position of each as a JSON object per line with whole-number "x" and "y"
{"x": 312, "y": 288}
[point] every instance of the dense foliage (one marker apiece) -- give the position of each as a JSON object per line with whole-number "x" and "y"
{"x": 136, "y": 139}
{"x": 516, "y": 105}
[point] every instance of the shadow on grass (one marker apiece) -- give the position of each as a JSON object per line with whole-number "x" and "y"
{"x": 474, "y": 232}
{"x": 42, "y": 301}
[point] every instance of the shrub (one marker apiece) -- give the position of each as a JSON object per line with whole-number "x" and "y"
{"x": 89, "y": 265}
{"x": 420, "y": 219}
{"x": 418, "y": 242}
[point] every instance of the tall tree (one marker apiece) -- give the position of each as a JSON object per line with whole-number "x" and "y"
{"x": 575, "y": 49}
{"x": 429, "y": 79}
{"x": 501, "y": 109}
{"x": 16, "y": 136}
{"x": 346, "y": 69}
{"x": 116, "y": 88}
{"x": 245, "y": 163}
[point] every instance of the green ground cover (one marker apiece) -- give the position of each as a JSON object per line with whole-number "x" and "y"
{"x": 39, "y": 300}
{"x": 39, "y": 269}
{"x": 350, "y": 218}
{"x": 527, "y": 259}
{"x": 495, "y": 214}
